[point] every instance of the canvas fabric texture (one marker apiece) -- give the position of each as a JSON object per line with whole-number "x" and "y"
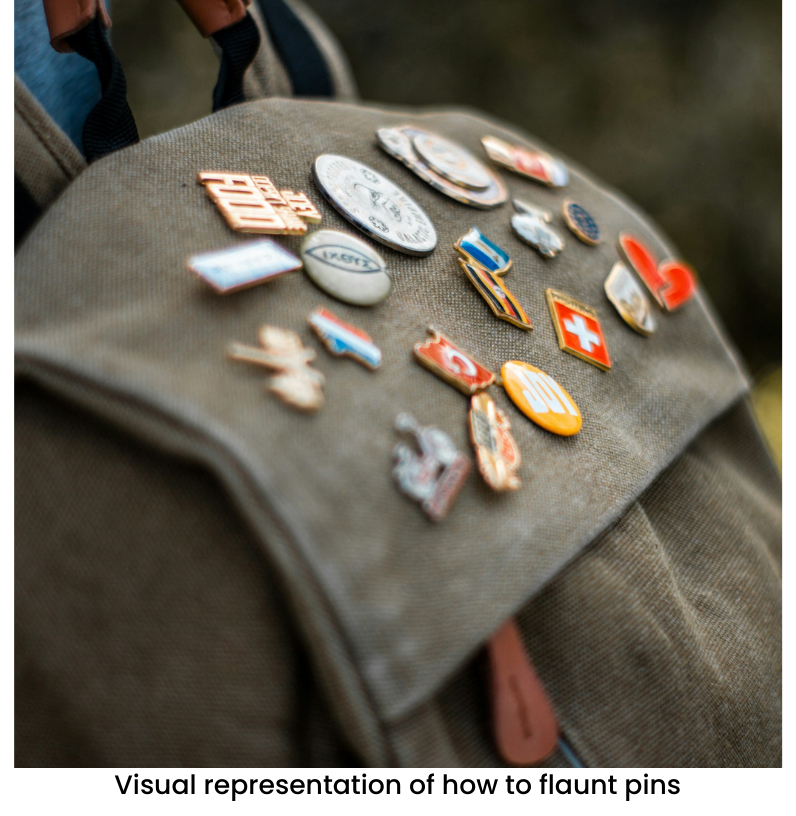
{"x": 641, "y": 555}
{"x": 45, "y": 158}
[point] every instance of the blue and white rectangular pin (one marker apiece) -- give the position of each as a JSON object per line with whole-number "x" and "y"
{"x": 477, "y": 248}
{"x": 239, "y": 267}
{"x": 343, "y": 339}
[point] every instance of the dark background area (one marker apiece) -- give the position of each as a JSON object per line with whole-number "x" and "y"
{"x": 677, "y": 104}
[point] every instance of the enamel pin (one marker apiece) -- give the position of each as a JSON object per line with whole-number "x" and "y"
{"x": 483, "y": 263}
{"x": 374, "y": 204}
{"x": 345, "y": 267}
{"x": 541, "y": 398}
{"x": 344, "y": 340}
{"x": 672, "y": 283}
{"x": 533, "y": 164}
{"x": 295, "y": 382}
{"x": 435, "y": 475}
{"x": 531, "y": 224}
{"x": 239, "y": 267}
{"x": 445, "y": 165}
{"x": 253, "y": 204}
{"x": 625, "y": 292}
{"x": 581, "y": 223}
{"x": 452, "y": 364}
{"x": 496, "y": 451}
{"x": 578, "y": 329}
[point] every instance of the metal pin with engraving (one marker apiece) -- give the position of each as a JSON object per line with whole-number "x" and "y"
{"x": 374, "y": 204}
{"x": 445, "y": 165}
{"x": 295, "y": 382}
{"x": 435, "y": 475}
{"x": 253, "y": 204}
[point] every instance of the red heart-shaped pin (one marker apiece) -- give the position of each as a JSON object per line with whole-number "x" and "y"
{"x": 679, "y": 286}
{"x": 643, "y": 261}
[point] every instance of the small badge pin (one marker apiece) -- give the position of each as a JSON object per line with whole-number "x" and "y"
{"x": 295, "y": 382}
{"x": 239, "y": 267}
{"x": 531, "y": 224}
{"x": 253, "y": 204}
{"x": 578, "y": 329}
{"x": 496, "y": 451}
{"x": 533, "y": 164}
{"x": 453, "y": 365}
{"x": 581, "y": 222}
{"x": 672, "y": 283}
{"x": 541, "y": 398}
{"x": 483, "y": 263}
{"x": 344, "y": 340}
{"x": 625, "y": 292}
{"x": 435, "y": 475}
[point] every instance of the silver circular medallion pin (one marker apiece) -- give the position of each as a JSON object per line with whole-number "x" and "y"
{"x": 446, "y": 166}
{"x": 373, "y": 203}
{"x": 452, "y": 161}
{"x": 345, "y": 267}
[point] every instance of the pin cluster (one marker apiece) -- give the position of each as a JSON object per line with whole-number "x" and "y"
{"x": 430, "y": 470}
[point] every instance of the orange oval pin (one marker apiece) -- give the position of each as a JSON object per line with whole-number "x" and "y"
{"x": 541, "y": 398}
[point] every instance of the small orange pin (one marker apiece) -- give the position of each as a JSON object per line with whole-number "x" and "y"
{"x": 541, "y": 398}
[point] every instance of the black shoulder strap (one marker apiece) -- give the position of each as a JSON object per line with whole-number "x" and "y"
{"x": 239, "y": 44}
{"x": 303, "y": 60}
{"x": 110, "y": 124}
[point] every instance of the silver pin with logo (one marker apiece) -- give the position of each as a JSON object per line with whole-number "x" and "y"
{"x": 345, "y": 267}
{"x": 371, "y": 202}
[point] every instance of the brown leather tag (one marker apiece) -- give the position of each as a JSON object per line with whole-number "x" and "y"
{"x": 525, "y": 725}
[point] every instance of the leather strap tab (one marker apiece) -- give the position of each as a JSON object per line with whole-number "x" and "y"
{"x": 67, "y": 17}
{"x": 210, "y": 16}
{"x": 524, "y": 724}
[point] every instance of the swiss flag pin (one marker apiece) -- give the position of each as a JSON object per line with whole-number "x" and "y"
{"x": 578, "y": 329}
{"x": 672, "y": 283}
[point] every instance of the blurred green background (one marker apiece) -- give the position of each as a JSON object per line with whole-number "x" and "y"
{"x": 676, "y": 103}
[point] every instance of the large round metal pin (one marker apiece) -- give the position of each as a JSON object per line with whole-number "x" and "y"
{"x": 446, "y": 166}
{"x": 373, "y": 203}
{"x": 452, "y": 161}
{"x": 345, "y": 267}
{"x": 541, "y": 398}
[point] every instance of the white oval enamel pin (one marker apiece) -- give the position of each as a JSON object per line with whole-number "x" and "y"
{"x": 346, "y": 267}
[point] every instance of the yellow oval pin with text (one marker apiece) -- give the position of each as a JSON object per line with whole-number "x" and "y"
{"x": 541, "y": 398}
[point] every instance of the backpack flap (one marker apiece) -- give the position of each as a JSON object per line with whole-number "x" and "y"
{"x": 391, "y": 605}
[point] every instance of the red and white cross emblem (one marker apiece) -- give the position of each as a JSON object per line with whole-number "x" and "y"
{"x": 578, "y": 329}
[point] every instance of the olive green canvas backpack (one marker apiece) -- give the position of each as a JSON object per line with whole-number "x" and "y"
{"x": 207, "y": 577}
